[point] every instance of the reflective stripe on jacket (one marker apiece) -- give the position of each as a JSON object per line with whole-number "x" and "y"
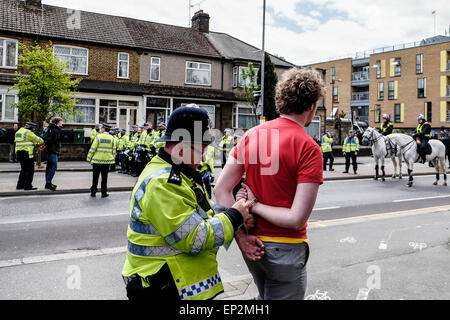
{"x": 167, "y": 225}
{"x": 103, "y": 150}
{"x": 26, "y": 140}
{"x": 351, "y": 145}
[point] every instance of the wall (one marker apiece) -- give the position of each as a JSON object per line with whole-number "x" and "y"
{"x": 173, "y": 69}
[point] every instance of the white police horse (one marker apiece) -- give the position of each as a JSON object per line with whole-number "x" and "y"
{"x": 382, "y": 148}
{"x": 408, "y": 147}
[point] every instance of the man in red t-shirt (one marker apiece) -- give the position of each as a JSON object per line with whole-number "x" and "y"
{"x": 284, "y": 169}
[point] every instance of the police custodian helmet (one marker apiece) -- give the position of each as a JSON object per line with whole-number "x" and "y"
{"x": 188, "y": 118}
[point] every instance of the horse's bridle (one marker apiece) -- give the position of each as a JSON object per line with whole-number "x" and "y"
{"x": 372, "y": 140}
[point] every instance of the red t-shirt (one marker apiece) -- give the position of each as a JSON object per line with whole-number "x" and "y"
{"x": 278, "y": 155}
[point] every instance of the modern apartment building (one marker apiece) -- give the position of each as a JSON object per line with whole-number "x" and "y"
{"x": 402, "y": 81}
{"x": 132, "y": 71}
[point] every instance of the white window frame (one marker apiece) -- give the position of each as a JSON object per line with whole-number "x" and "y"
{"x": 128, "y": 65}
{"x": 3, "y": 111}
{"x": 96, "y": 107}
{"x": 235, "y": 115}
{"x": 199, "y": 63}
{"x": 3, "y": 57}
{"x": 159, "y": 70}
{"x": 235, "y": 77}
{"x": 75, "y": 47}
{"x": 240, "y": 83}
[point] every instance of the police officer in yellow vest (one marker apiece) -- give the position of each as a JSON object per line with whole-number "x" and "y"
{"x": 25, "y": 141}
{"x": 327, "y": 150}
{"x": 423, "y": 134}
{"x": 386, "y": 127}
{"x": 350, "y": 150}
{"x": 158, "y": 134}
{"x": 95, "y": 132}
{"x": 174, "y": 234}
{"x": 226, "y": 145}
{"x": 102, "y": 155}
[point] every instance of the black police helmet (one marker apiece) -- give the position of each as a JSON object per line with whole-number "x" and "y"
{"x": 188, "y": 118}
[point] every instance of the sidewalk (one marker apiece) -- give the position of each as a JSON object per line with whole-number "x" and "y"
{"x": 76, "y": 176}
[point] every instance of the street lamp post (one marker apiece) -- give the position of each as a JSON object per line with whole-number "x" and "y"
{"x": 263, "y": 58}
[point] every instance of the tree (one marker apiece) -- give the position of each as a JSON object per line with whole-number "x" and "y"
{"x": 270, "y": 82}
{"x": 45, "y": 88}
{"x": 249, "y": 86}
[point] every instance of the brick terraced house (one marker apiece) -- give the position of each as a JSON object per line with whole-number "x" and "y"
{"x": 132, "y": 71}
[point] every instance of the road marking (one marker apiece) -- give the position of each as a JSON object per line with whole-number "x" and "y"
{"x": 58, "y": 195}
{"x": 59, "y": 217}
{"x": 323, "y": 209}
{"x": 378, "y": 216}
{"x": 426, "y": 198}
{"x": 62, "y": 256}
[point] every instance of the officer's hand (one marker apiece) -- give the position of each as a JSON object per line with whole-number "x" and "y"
{"x": 42, "y": 147}
{"x": 243, "y": 207}
{"x": 356, "y": 153}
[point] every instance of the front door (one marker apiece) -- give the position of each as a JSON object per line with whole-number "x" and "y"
{"x": 127, "y": 118}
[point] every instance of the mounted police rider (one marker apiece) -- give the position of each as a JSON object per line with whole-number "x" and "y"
{"x": 422, "y": 136}
{"x": 386, "y": 127}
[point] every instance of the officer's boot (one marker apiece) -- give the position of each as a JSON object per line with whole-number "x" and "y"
{"x": 93, "y": 192}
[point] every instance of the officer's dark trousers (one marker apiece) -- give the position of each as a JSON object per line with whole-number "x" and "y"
{"x": 98, "y": 169}
{"x": 26, "y": 170}
{"x": 326, "y": 156}
{"x": 348, "y": 156}
{"x": 162, "y": 288}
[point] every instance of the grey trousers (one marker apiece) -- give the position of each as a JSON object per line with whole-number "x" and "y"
{"x": 281, "y": 273}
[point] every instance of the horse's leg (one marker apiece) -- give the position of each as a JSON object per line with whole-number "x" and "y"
{"x": 400, "y": 162}
{"x": 376, "y": 168}
{"x": 383, "y": 177}
{"x": 444, "y": 168}
{"x": 436, "y": 166}
{"x": 410, "y": 170}
{"x": 395, "y": 168}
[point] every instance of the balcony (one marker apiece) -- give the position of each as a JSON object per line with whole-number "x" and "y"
{"x": 360, "y": 99}
{"x": 360, "y": 79}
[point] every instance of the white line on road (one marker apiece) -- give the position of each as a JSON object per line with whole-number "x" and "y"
{"x": 62, "y": 256}
{"x": 329, "y": 208}
{"x": 426, "y": 198}
{"x": 56, "y": 217}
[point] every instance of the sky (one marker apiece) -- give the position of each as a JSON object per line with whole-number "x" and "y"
{"x": 301, "y": 31}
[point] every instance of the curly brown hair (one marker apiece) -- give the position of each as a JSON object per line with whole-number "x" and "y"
{"x": 298, "y": 90}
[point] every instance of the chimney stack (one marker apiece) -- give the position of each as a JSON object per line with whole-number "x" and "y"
{"x": 33, "y": 3}
{"x": 200, "y": 21}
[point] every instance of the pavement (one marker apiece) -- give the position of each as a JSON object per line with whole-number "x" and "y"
{"x": 76, "y": 176}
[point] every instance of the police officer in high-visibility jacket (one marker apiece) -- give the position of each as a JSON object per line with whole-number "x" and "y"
{"x": 102, "y": 155}
{"x": 226, "y": 145}
{"x": 350, "y": 150}
{"x": 423, "y": 135}
{"x": 25, "y": 141}
{"x": 95, "y": 132}
{"x": 327, "y": 150}
{"x": 174, "y": 234}
{"x": 386, "y": 127}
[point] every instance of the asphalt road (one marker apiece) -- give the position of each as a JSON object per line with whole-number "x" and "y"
{"x": 88, "y": 235}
